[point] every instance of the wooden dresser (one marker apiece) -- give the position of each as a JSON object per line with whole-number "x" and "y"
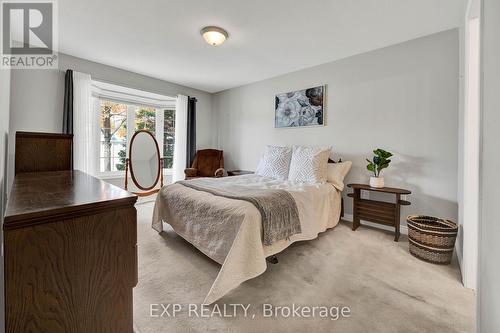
{"x": 36, "y": 152}
{"x": 70, "y": 254}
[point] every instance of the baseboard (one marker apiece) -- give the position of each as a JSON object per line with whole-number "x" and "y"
{"x": 403, "y": 229}
{"x": 459, "y": 253}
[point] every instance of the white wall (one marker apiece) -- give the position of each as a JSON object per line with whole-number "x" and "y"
{"x": 4, "y": 131}
{"x": 402, "y": 98}
{"x": 489, "y": 251}
{"x": 4, "y": 135}
{"x": 36, "y": 105}
{"x": 460, "y": 138}
{"x": 37, "y": 98}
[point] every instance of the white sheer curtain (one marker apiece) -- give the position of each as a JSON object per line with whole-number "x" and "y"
{"x": 85, "y": 125}
{"x": 180, "y": 143}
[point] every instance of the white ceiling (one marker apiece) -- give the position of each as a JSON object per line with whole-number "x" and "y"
{"x": 161, "y": 38}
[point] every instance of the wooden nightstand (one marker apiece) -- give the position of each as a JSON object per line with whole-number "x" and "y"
{"x": 386, "y": 213}
{"x": 238, "y": 172}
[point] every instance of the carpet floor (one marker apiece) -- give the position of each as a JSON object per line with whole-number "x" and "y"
{"x": 385, "y": 288}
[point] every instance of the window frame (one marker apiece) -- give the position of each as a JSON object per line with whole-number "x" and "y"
{"x": 133, "y": 98}
{"x": 168, "y": 170}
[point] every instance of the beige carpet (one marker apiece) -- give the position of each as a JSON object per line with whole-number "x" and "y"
{"x": 386, "y": 288}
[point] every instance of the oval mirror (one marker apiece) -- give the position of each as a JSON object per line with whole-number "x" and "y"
{"x": 144, "y": 159}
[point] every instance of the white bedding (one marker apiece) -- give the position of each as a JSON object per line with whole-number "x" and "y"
{"x": 238, "y": 247}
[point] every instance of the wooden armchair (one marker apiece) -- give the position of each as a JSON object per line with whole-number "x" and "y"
{"x": 207, "y": 163}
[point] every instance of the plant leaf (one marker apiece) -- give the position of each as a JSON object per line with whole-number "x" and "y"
{"x": 383, "y": 166}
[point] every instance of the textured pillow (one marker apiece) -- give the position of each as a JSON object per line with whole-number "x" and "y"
{"x": 337, "y": 172}
{"x": 309, "y": 164}
{"x": 275, "y": 162}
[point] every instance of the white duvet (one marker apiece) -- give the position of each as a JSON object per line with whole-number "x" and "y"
{"x": 238, "y": 247}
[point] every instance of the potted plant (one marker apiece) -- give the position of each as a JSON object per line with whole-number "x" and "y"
{"x": 379, "y": 162}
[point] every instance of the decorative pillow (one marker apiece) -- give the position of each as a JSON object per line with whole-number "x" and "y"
{"x": 309, "y": 164}
{"x": 337, "y": 173}
{"x": 275, "y": 162}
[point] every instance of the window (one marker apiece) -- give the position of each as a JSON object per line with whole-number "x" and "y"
{"x": 122, "y": 111}
{"x": 145, "y": 118}
{"x": 113, "y": 141}
{"x": 168, "y": 138}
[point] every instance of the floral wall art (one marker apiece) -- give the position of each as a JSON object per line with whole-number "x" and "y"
{"x": 300, "y": 108}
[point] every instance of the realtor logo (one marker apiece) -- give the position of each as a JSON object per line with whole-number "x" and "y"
{"x": 28, "y": 35}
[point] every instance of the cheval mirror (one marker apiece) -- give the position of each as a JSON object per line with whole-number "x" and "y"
{"x": 145, "y": 163}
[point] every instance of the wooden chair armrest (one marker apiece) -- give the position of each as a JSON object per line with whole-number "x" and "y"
{"x": 191, "y": 172}
{"x": 219, "y": 172}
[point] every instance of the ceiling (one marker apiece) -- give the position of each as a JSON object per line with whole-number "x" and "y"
{"x": 160, "y": 38}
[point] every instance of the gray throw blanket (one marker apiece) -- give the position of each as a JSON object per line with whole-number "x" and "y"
{"x": 280, "y": 216}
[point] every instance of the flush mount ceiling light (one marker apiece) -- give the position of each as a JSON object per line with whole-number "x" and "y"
{"x": 214, "y": 36}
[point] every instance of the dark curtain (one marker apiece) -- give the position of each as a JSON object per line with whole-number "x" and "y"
{"x": 191, "y": 131}
{"x": 68, "y": 103}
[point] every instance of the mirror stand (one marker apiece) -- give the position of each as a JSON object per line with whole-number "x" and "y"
{"x": 144, "y": 194}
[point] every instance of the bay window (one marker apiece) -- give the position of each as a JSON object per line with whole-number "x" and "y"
{"x": 121, "y": 112}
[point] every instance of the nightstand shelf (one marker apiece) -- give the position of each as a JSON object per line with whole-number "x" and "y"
{"x": 239, "y": 172}
{"x": 381, "y": 212}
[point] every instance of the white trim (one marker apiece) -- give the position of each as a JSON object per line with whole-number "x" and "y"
{"x": 470, "y": 197}
{"x": 121, "y": 174}
{"x": 111, "y": 175}
{"x": 403, "y": 228}
{"x": 458, "y": 251}
{"x": 168, "y": 172}
{"x": 132, "y": 96}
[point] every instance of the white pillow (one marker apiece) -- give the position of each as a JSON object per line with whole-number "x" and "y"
{"x": 309, "y": 164}
{"x": 275, "y": 162}
{"x": 337, "y": 173}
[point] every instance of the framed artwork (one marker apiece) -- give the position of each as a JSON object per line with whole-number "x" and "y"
{"x": 300, "y": 108}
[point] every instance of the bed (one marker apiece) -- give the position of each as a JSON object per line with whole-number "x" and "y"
{"x": 230, "y": 231}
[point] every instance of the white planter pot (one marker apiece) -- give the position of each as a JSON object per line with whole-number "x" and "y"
{"x": 377, "y": 182}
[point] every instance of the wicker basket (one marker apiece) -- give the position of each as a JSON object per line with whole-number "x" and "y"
{"x": 432, "y": 239}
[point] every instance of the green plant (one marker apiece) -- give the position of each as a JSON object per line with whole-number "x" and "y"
{"x": 379, "y": 162}
{"x": 122, "y": 156}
